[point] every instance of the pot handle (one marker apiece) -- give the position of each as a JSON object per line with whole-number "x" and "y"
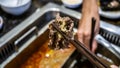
{"x": 33, "y": 29}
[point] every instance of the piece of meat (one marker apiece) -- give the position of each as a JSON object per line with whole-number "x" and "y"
{"x": 65, "y": 24}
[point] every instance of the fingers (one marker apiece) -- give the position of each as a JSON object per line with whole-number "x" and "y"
{"x": 84, "y": 36}
{"x": 80, "y": 36}
{"x": 86, "y": 39}
{"x": 94, "y": 43}
{"x": 94, "y": 46}
{"x": 84, "y": 32}
{"x": 113, "y": 66}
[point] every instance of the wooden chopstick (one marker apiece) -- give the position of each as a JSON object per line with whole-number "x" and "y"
{"x": 93, "y": 22}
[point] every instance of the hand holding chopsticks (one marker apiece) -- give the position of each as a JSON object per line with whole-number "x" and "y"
{"x": 82, "y": 49}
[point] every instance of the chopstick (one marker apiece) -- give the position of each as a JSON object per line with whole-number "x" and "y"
{"x": 82, "y": 49}
{"x": 92, "y": 31}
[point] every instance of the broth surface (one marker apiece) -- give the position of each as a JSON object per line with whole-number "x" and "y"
{"x": 44, "y": 57}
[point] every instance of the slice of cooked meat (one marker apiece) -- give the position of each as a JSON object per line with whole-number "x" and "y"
{"x": 56, "y": 41}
